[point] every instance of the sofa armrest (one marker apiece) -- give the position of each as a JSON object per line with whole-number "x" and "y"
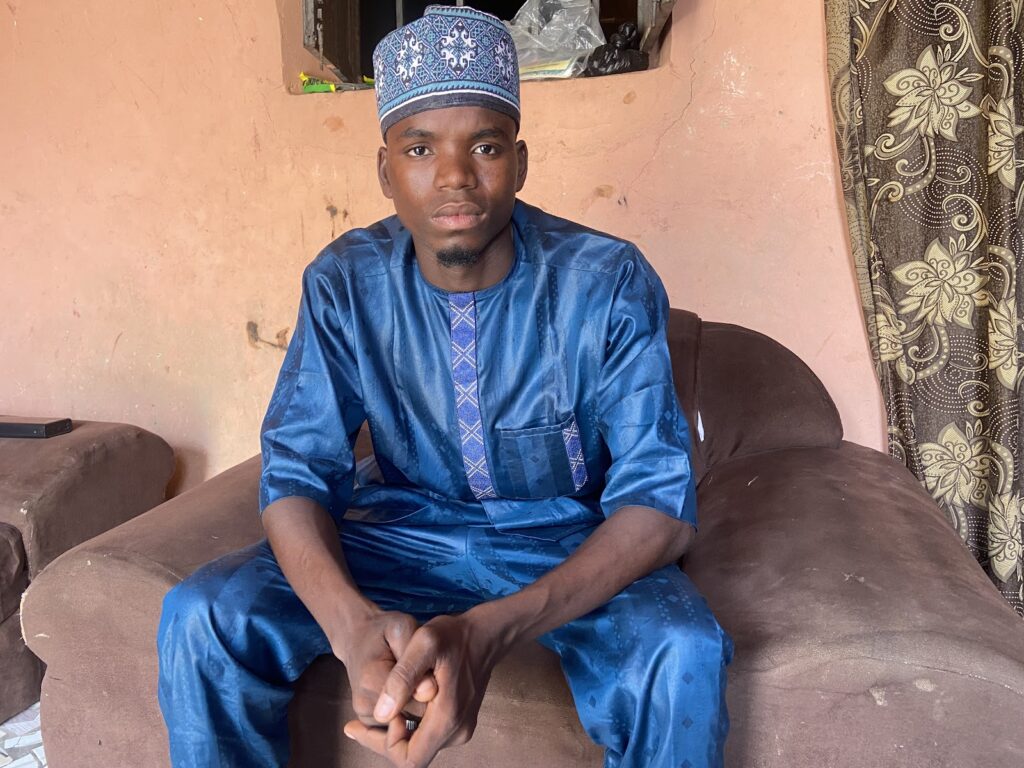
{"x": 103, "y": 598}
{"x": 812, "y": 554}
{"x": 863, "y": 627}
{"x": 107, "y": 593}
{"x": 64, "y": 490}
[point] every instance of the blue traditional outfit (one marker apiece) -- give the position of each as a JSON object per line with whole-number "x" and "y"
{"x": 507, "y": 424}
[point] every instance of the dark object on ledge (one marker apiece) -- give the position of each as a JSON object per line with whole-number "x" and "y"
{"x": 620, "y": 54}
{"x": 17, "y": 426}
{"x": 548, "y": 9}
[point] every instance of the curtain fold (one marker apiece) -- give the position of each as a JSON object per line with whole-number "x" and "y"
{"x": 926, "y": 97}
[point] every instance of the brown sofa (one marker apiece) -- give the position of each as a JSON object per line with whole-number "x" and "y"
{"x": 866, "y": 635}
{"x": 56, "y": 493}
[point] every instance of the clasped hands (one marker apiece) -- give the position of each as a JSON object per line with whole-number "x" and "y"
{"x": 437, "y": 672}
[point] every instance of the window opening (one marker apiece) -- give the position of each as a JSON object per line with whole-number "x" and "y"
{"x": 343, "y": 33}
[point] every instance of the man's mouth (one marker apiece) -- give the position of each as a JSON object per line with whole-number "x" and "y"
{"x": 456, "y": 216}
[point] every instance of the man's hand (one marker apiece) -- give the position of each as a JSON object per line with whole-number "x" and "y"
{"x": 461, "y": 652}
{"x": 369, "y": 650}
{"x": 368, "y": 640}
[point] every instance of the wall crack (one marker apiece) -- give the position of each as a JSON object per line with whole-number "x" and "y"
{"x": 689, "y": 99}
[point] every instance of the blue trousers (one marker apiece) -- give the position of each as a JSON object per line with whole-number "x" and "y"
{"x": 647, "y": 670}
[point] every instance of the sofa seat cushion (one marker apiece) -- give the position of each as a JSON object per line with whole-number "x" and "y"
{"x": 13, "y": 570}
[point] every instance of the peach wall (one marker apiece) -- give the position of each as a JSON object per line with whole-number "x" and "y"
{"x": 160, "y": 191}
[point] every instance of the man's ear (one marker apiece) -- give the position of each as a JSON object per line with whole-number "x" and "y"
{"x": 524, "y": 161}
{"x": 382, "y": 173}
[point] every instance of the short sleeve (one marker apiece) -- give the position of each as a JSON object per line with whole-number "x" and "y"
{"x": 316, "y": 410}
{"x": 639, "y": 415}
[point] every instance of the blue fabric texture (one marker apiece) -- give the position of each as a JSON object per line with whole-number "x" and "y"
{"x": 449, "y": 57}
{"x": 564, "y": 363}
{"x": 507, "y": 424}
{"x": 647, "y": 671}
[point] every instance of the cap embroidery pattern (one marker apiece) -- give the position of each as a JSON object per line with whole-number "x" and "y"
{"x": 451, "y": 56}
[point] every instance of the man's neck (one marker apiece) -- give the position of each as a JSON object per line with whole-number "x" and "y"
{"x": 491, "y": 268}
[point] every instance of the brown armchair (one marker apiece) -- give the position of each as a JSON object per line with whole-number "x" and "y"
{"x": 866, "y": 635}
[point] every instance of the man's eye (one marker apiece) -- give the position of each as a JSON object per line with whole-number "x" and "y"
{"x": 418, "y": 151}
{"x": 486, "y": 149}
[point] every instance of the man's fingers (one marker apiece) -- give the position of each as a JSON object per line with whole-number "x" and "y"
{"x": 436, "y": 731}
{"x": 428, "y": 739}
{"x": 368, "y": 736}
{"x": 396, "y": 732}
{"x": 374, "y": 673}
{"x": 366, "y": 689}
{"x": 426, "y": 690}
{"x": 406, "y": 675}
{"x": 376, "y": 740}
{"x": 398, "y": 632}
{"x": 371, "y": 683}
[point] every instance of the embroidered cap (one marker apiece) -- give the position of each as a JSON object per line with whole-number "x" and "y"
{"x": 448, "y": 58}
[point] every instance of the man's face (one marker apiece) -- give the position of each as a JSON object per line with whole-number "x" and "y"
{"x": 453, "y": 175}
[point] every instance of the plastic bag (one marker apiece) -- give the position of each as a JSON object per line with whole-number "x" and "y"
{"x": 554, "y": 37}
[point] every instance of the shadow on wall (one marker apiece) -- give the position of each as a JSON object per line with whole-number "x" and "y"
{"x": 190, "y": 461}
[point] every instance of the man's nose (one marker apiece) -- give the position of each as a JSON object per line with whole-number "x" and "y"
{"x": 455, "y": 172}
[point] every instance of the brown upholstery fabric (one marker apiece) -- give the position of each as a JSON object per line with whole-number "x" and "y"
{"x": 65, "y": 489}
{"x": 54, "y": 494}
{"x": 93, "y": 614}
{"x": 858, "y": 617}
{"x": 866, "y": 636}
{"x": 13, "y": 570}
{"x": 755, "y": 395}
{"x": 21, "y": 672}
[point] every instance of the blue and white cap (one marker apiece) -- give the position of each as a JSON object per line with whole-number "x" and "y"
{"x": 450, "y": 57}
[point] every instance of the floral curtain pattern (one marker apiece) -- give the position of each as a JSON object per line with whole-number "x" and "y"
{"x": 927, "y": 103}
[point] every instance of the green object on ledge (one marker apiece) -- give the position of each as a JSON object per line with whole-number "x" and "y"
{"x": 312, "y": 84}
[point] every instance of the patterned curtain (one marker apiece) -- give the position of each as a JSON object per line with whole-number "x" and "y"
{"x": 927, "y": 99}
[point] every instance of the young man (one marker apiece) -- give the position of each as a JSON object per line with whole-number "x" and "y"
{"x": 531, "y": 476}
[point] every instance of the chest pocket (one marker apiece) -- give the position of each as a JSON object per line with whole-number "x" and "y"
{"x": 542, "y": 462}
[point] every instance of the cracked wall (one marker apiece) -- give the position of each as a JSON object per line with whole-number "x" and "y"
{"x": 161, "y": 193}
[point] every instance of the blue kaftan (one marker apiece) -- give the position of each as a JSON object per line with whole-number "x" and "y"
{"x": 566, "y": 355}
{"x": 507, "y": 423}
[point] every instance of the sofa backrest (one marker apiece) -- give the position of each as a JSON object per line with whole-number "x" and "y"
{"x": 744, "y": 393}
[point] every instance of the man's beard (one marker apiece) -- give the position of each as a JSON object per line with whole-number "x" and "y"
{"x": 457, "y": 256}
